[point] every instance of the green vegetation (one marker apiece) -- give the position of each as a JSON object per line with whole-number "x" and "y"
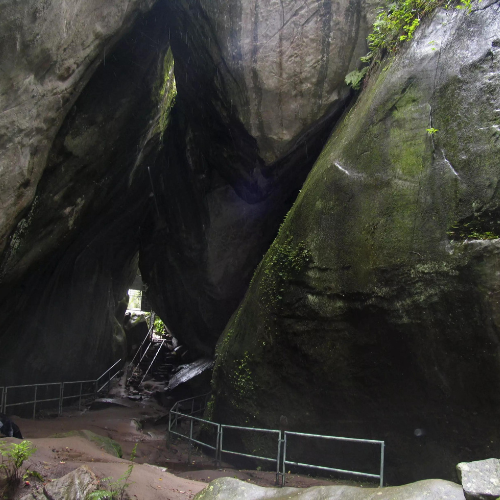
{"x": 475, "y": 228}
{"x": 116, "y": 489}
{"x": 354, "y": 78}
{"x": 241, "y": 376}
{"x": 431, "y": 131}
{"x": 395, "y": 24}
{"x": 13, "y": 457}
{"x": 107, "y": 444}
{"x": 283, "y": 262}
{"x": 159, "y": 326}
{"x": 166, "y": 91}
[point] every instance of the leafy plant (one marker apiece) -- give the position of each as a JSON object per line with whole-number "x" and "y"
{"x": 398, "y": 21}
{"x": 159, "y": 326}
{"x": 476, "y": 228}
{"x": 13, "y": 457}
{"x": 354, "y": 78}
{"x": 431, "y": 131}
{"x": 116, "y": 489}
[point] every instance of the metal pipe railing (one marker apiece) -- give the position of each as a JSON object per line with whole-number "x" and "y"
{"x": 4, "y": 391}
{"x": 150, "y": 331}
{"x": 332, "y": 469}
{"x": 190, "y": 437}
{"x": 154, "y": 357}
{"x": 281, "y": 461}
{"x": 253, "y": 429}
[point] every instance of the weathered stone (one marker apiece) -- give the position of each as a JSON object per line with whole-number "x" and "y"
{"x": 73, "y": 486}
{"x": 48, "y": 53}
{"x": 260, "y": 86}
{"x": 232, "y": 489}
{"x": 71, "y": 258}
{"x": 364, "y": 319}
{"x": 480, "y": 480}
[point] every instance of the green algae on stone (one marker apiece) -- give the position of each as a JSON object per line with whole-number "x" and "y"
{"x": 105, "y": 443}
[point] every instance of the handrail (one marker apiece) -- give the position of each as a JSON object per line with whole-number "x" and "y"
{"x": 280, "y": 460}
{"x": 61, "y": 397}
{"x": 108, "y": 370}
{"x": 342, "y": 471}
{"x": 150, "y": 329}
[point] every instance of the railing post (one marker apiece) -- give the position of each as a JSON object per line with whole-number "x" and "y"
{"x": 190, "y": 441}
{"x": 80, "y": 397}
{"x": 278, "y": 461}
{"x": 217, "y": 444}
{"x": 61, "y": 396}
{"x": 169, "y": 427}
{"x": 220, "y": 445}
{"x": 382, "y": 450}
{"x": 283, "y": 469}
{"x": 34, "y": 403}
{"x": 192, "y": 406}
{"x": 5, "y": 401}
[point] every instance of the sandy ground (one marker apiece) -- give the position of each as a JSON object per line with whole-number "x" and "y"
{"x": 161, "y": 471}
{"x": 55, "y": 457}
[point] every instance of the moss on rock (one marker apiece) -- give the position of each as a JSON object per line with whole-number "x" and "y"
{"x": 105, "y": 443}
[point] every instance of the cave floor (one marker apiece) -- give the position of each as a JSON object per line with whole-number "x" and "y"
{"x": 143, "y": 422}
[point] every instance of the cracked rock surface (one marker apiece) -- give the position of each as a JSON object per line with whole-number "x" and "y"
{"x": 375, "y": 312}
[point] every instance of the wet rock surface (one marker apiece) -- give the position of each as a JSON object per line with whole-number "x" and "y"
{"x": 232, "y": 489}
{"x": 365, "y": 319}
{"x": 68, "y": 263}
{"x": 481, "y": 479}
{"x": 260, "y": 86}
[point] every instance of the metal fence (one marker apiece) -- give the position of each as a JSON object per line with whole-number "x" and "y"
{"x": 258, "y": 457}
{"x": 331, "y": 469}
{"x": 191, "y": 406}
{"x": 36, "y": 394}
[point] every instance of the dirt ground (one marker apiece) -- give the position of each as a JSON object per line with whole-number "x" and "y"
{"x": 161, "y": 470}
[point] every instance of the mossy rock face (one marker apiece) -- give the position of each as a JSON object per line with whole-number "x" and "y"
{"x": 260, "y": 87}
{"x": 105, "y": 443}
{"x": 389, "y": 327}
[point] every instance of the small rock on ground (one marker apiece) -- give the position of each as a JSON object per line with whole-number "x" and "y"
{"x": 73, "y": 486}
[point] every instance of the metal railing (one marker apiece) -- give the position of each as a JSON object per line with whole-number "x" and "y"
{"x": 249, "y": 455}
{"x": 173, "y": 420}
{"x": 175, "y": 415}
{"x": 59, "y": 392}
{"x": 331, "y": 469}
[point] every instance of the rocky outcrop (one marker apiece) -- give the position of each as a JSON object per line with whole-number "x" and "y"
{"x": 76, "y": 485}
{"x": 260, "y": 85}
{"x": 375, "y": 311}
{"x": 48, "y": 54}
{"x": 232, "y": 489}
{"x": 481, "y": 479}
{"x": 71, "y": 257}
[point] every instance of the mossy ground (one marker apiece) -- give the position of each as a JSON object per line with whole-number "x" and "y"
{"x": 107, "y": 444}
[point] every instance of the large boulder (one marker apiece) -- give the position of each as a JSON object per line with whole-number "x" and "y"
{"x": 260, "y": 85}
{"x": 70, "y": 258}
{"x": 375, "y": 312}
{"x": 48, "y": 54}
{"x": 232, "y": 489}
